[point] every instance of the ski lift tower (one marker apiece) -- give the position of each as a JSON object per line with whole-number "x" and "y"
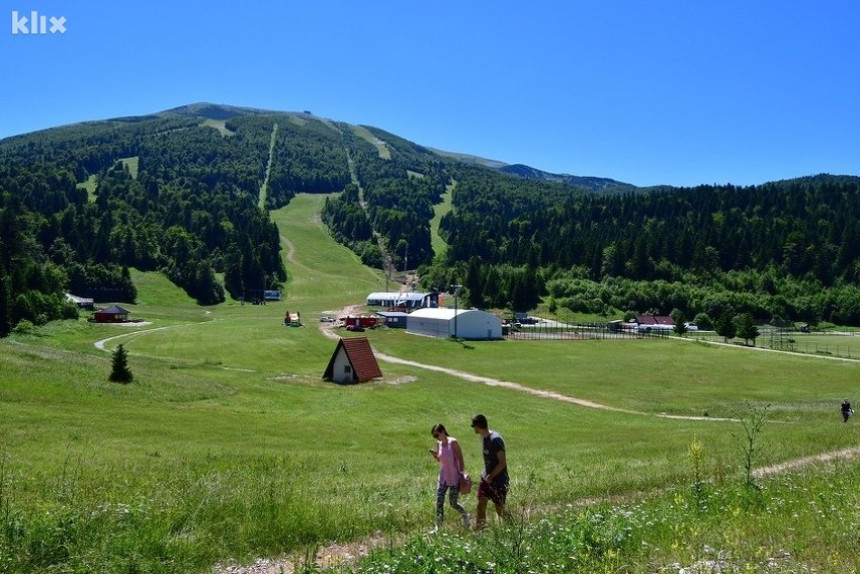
{"x": 780, "y": 335}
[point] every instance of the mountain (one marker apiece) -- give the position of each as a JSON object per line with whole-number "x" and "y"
{"x": 187, "y": 192}
{"x": 225, "y": 112}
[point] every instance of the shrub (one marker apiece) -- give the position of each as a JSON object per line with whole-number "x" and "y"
{"x": 120, "y": 372}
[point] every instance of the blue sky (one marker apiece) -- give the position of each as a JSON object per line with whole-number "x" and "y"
{"x": 664, "y": 92}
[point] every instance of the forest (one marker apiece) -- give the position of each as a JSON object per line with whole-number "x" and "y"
{"x": 781, "y": 251}
{"x": 82, "y": 204}
{"x": 187, "y": 192}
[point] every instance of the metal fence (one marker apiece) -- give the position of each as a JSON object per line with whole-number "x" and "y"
{"x": 555, "y": 331}
{"x": 842, "y": 344}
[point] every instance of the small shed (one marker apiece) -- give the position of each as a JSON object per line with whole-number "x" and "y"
{"x": 113, "y": 314}
{"x": 352, "y": 362}
{"x": 394, "y": 319}
{"x": 462, "y": 323}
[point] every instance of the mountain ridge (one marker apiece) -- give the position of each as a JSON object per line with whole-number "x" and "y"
{"x": 209, "y": 110}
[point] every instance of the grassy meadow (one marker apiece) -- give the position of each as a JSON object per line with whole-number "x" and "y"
{"x": 228, "y": 446}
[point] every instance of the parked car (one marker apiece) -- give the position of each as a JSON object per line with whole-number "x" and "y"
{"x": 325, "y": 319}
{"x": 355, "y": 328}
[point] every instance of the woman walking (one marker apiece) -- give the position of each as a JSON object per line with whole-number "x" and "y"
{"x": 449, "y": 455}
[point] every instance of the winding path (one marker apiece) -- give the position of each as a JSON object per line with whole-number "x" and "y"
{"x": 490, "y": 382}
{"x": 100, "y": 345}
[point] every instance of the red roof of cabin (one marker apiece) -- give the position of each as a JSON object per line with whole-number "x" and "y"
{"x": 360, "y": 357}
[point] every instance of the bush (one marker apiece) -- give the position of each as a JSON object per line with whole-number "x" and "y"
{"x": 24, "y": 327}
{"x": 703, "y": 322}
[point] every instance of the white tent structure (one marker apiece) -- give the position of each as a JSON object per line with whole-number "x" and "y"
{"x": 462, "y": 323}
{"x": 389, "y": 299}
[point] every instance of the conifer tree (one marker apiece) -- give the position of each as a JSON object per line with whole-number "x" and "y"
{"x": 5, "y": 307}
{"x": 725, "y": 326}
{"x": 120, "y": 372}
{"x": 746, "y": 328}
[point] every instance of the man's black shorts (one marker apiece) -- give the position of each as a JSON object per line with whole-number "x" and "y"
{"x": 497, "y": 493}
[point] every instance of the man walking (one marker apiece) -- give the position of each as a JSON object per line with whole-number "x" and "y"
{"x": 494, "y": 479}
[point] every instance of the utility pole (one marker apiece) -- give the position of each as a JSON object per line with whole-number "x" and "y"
{"x": 454, "y": 290}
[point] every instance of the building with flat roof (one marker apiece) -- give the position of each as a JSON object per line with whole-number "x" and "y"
{"x": 461, "y": 323}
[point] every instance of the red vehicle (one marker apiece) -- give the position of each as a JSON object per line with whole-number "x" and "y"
{"x": 366, "y": 322}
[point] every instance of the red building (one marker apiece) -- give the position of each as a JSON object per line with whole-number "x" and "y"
{"x": 113, "y": 314}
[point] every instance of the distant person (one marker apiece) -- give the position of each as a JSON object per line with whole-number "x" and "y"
{"x": 847, "y": 411}
{"x": 494, "y": 480}
{"x": 449, "y": 455}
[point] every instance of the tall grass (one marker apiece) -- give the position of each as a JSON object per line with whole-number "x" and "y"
{"x": 802, "y": 522}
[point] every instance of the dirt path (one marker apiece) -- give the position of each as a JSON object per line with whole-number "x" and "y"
{"x": 798, "y": 463}
{"x": 536, "y": 392}
{"x": 291, "y": 250}
{"x": 100, "y": 345}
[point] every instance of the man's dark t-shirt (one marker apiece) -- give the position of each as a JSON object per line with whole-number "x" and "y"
{"x": 494, "y": 444}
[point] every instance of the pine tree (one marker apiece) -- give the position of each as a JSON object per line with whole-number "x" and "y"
{"x": 5, "y": 306}
{"x": 746, "y": 328}
{"x": 120, "y": 372}
{"x": 680, "y": 320}
{"x": 725, "y": 326}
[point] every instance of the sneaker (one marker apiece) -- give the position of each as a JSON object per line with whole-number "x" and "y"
{"x": 467, "y": 521}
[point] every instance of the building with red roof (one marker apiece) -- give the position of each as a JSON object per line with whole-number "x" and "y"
{"x": 353, "y": 361}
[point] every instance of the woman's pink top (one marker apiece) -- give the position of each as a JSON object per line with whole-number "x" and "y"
{"x": 449, "y": 472}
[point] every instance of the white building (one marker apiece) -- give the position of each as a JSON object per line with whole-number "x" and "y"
{"x": 391, "y": 299}
{"x": 464, "y": 323}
